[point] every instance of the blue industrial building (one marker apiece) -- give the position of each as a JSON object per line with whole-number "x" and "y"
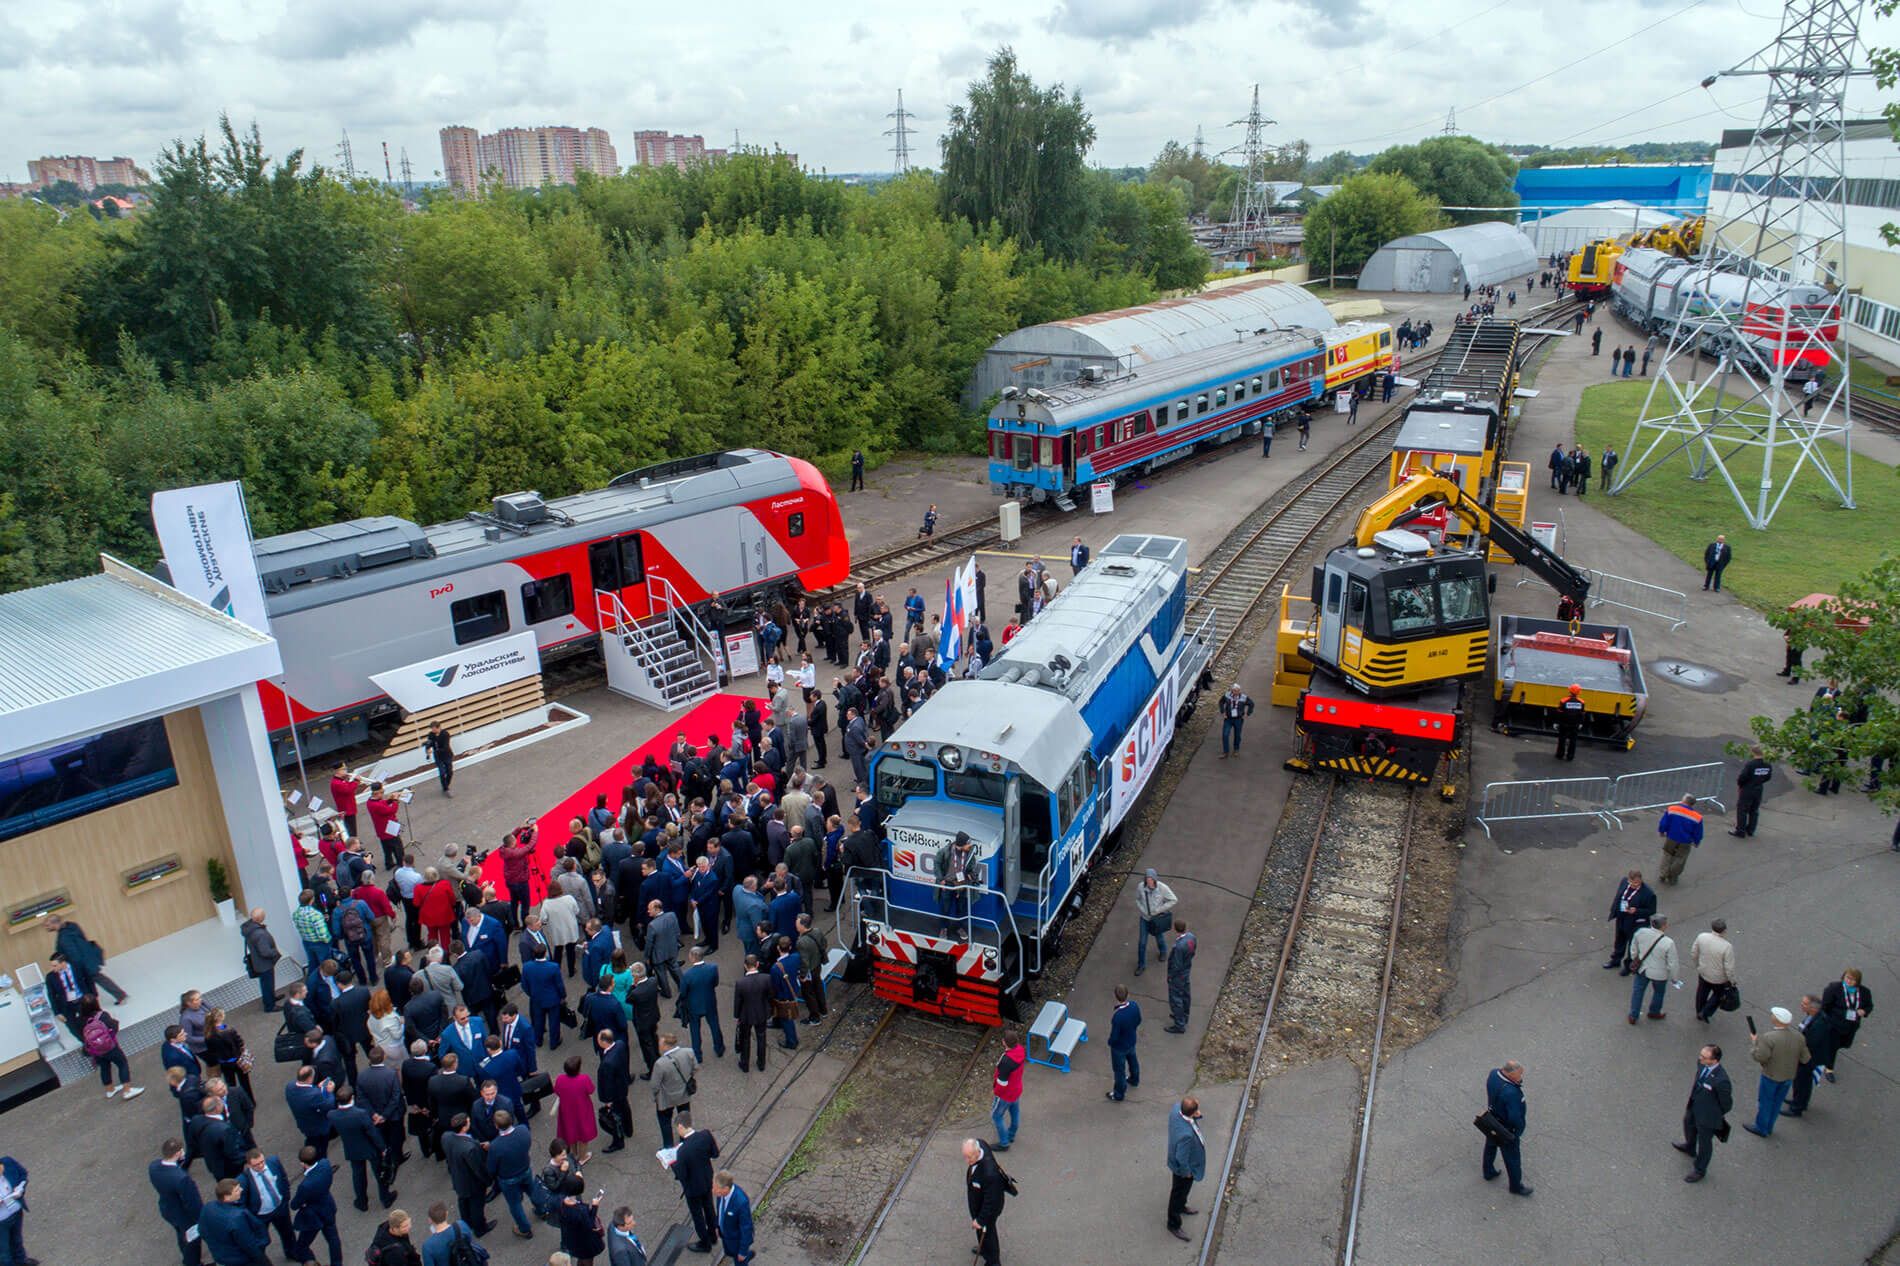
{"x": 1679, "y": 188}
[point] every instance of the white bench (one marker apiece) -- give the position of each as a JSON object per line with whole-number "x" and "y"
{"x": 1048, "y": 1024}
{"x": 835, "y": 964}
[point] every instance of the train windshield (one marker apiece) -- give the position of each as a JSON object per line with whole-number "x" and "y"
{"x": 1462, "y": 599}
{"x": 977, "y": 785}
{"x": 1410, "y": 607}
{"x": 899, "y": 779}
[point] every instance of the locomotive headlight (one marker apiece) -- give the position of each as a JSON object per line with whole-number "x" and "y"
{"x": 873, "y": 933}
{"x": 989, "y": 959}
{"x": 951, "y": 758}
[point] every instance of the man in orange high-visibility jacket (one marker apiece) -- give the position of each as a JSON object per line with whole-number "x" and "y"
{"x": 1681, "y": 829}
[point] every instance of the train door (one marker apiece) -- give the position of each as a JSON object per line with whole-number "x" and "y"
{"x": 617, "y": 566}
{"x": 752, "y": 549}
{"x": 1332, "y": 622}
{"x": 1011, "y": 874}
{"x": 1358, "y": 601}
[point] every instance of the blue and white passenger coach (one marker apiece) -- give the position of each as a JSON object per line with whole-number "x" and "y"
{"x": 1039, "y": 761}
{"x": 1049, "y": 443}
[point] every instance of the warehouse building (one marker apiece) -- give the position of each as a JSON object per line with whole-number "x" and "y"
{"x": 1447, "y": 260}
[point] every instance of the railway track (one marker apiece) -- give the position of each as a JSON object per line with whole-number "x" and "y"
{"x": 1875, "y": 409}
{"x": 1336, "y": 959}
{"x": 1254, "y": 560}
{"x": 833, "y": 1191}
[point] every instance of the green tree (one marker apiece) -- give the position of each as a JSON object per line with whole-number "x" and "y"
{"x": 1013, "y": 155}
{"x": 1332, "y": 169}
{"x": 44, "y": 262}
{"x": 1365, "y": 213}
{"x": 454, "y": 265}
{"x": 1853, "y": 642}
{"x": 1455, "y": 171}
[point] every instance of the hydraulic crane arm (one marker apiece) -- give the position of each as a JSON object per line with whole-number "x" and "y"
{"x": 1417, "y": 494}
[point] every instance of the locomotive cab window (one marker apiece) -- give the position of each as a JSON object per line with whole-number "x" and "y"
{"x": 899, "y": 779}
{"x": 1025, "y": 452}
{"x": 548, "y": 599}
{"x": 1410, "y": 607}
{"x": 1385, "y": 338}
{"x": 795, "y": 524}
{"x": 483, "y": 616}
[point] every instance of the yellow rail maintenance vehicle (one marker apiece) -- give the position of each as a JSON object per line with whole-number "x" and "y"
{"x": 1400, "y": 621}
{"x": 1458, "y": 422}
{"x": 1539, "y": 661}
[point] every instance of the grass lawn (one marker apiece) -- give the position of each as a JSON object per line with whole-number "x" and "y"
{"x": 1811, "y": 545}
{"x": 1870, "y": 377}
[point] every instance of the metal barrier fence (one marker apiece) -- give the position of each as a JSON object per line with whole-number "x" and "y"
{"x": 1634, "y": 595}
{"x": 1600, "y": 798}
{"x": 1658, "y": 788}
{"x": 1546, "y": 798}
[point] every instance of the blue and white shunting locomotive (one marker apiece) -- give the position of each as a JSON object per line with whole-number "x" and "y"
{"x": 1038, "y": 761}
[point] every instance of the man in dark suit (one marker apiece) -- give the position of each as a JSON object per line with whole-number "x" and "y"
{"x": 1819, "y": 1036}
{"x": 322, "y": 1054}
{"x": 212, "y": 1136}
{"x": 598, "y": 954}
{"x": 751, "y": 1012}
{"x": 489, "y": 1104}
{"x": 1716, "y": 557}
{"x": 613, "y": 1084}
{"x": 468, "y": 1174}
{"x": 472, "y": 968}
{"x": 416, "y": 1071}
{"x": 310, "y": 1106}
{"x": 267, "y": 1194}
{"x": 601, "y": 1010}
{"x": 65, "y": 989}
{"x": 427, "y": 1012}
{"x": 693, "y": 1167}
{"x": 352, "y": 1020}
{"x": 465, "y": 1037}
{"x": 173, "y": 1053}
{"x": 985, "y": 1187}
{"x": 484, "y": 934}
{"x": 362, "y": 1148}
{"x": 1704, "y": 1120}
{"x": 643, "y": 1003}
{"x": 313, "y": 1208}
{"x": 188, "y": 1090}
{"x": 380, "y": 1090}
{"x": 1504, "y": 1099}
{"x": 397, "y": 975}
{"x": 232, "y": 1233}
{"x": 1630, "y": 907}
{"x": 502, "y": 1065}
{"x": 546, "y": 988}
{"x": 517, "y": 1036}
{"x": 734, "y": 1209}
{"x": 179, "y": 1201}
{"x": 451, "y": 1093}
{"x": 699, "y": 1000}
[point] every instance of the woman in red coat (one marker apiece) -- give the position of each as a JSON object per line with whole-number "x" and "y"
{"x": 435, "y": 906}
{"x": 574, "y": 1123}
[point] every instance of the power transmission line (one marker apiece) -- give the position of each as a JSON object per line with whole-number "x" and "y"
{"x": 902, "y": 132}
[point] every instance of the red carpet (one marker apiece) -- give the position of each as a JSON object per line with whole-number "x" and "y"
{"x": 713, "y": 717}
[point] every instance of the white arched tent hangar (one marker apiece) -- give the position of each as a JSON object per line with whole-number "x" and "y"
{"x": 1578, "y": 227}
{"x": 1446, "y": 260}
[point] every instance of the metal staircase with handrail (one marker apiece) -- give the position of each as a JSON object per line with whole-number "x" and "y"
{"x": 667, "y": 659}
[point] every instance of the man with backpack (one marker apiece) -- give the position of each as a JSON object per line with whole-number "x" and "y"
{"x": 351, "y": 925}
{"x": 450, "y": 1243}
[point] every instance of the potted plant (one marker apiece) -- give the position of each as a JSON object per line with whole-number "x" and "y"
{"x": 219, "y": 881}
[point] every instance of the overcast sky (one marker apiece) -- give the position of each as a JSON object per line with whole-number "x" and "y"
{"x": 109, "y": 77}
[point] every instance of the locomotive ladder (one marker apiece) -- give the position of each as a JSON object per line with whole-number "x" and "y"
{"x": 667, "y": 659}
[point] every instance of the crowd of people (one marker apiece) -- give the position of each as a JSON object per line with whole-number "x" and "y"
{"x": 433, "y": 1014}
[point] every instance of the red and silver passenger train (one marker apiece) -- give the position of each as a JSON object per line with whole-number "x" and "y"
{"x": 370, "y": 595}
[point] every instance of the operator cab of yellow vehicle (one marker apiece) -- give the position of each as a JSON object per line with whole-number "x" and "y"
{"x": 1400, "y": 613}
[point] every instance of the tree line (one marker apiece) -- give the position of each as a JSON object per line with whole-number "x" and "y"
{"x": 346, "y": 353}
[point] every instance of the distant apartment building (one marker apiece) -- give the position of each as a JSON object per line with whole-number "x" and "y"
{"x": 85, "y": 171}
{"x": 524, "y": 158}
{"x": 664, "y": 149}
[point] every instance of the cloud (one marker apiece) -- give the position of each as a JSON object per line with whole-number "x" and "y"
{"x": 320, "y": 32}
{"x": 1337, "y": 23}
{"x": 1124, "y": 21}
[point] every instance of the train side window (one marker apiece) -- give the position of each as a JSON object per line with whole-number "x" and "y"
{"x": 1048, "y": 452}
{"x": 1065, "y": 805}
{"x": 1240, "y": 392}
{"x": 485, "y": 615}
{"x": 795, "y": 524}
{"x": 1273, "y": 380}
{"x": 1356, "y": 602}
{"x": 548, "y": 599}
{"x": 1200, "y": 404}
{"x": 1220, "y": 398}
{"x": 1334, "y": 583}
{"x": 1101, "y": 436}
{"x": 1385, "y": 338}
{"x": 1180, "y": 410}
{"x": 616, "y": 564}
{"x": 1256, "y": 386}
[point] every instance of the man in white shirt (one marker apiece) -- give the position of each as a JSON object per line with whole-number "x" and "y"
{"x": 1712, "y": 959}
{"x": 1154, "y": 905}
{"x": 1654, "y": 953}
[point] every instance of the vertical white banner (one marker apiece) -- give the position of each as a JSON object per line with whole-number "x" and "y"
{"x": 207, "y": 546}
{"x": 966, "y": 589}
